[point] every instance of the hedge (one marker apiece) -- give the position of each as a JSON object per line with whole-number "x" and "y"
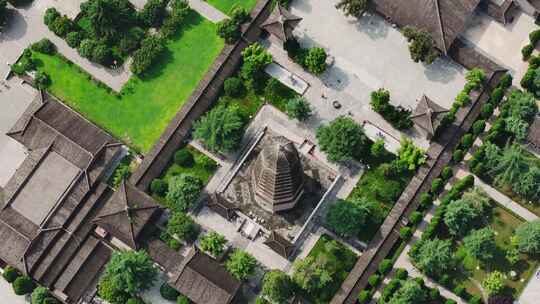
{"x": 437, "y": 185}
{"x": 23, "y": 285}
{"x": 184, "y": 158}
{"x": 10, "y": 274}
{"x": 374, "y": 280}
{"x": 447, "y": 173}
{"x": 385, "y": 266}
{"x": 526, "y": 52}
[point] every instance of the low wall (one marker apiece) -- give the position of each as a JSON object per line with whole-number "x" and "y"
{"x": 200, "y": 100}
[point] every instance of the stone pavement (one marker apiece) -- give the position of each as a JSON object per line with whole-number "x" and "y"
{"x": 7, "y": 296}
{"x": 26, "y": 27}
{"x": 206, "y": 10}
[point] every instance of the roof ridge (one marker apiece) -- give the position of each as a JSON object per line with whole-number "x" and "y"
{"x": 441, "y": 26}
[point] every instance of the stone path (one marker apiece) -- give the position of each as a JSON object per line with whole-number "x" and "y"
{"x": 206, "y": 10}
{"x": 8, "y": 296}
{"x": 26, "y": 27}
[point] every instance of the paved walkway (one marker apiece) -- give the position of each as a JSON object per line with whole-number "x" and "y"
{"x": 26, "y": 27}
{"x": 7, "y": 296}
{"x": 206, "y": 10}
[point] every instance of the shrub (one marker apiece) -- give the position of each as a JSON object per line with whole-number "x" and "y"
{"x": 364, "y": 297}
{"x": 42, "y": 80}
{"x": 23, "y": 285}
{"x": 527, "y": 237}
{"x": 102, "y": 54}
{"x": 153, "y": 13}
{"x": 390, "y": 289}
{"x": 40, "y": 295}
{"x": 475, "y": 77}
{"x": 342, "y": 139}
{"x": 534, "y": 37}
{"x": 380, "y": 100}
{"x": 374, "y": 280}
{"x": 298, "y": 108}
{"x": 526, "y": 52}
{"x": 487, "y": 111}
{"x": 385, "y": 266}
{"x": 447, "y": 173}
{"x": 467, "y": 141}
{"x": 405, "y": 233}
{"x": 213, "y": 243}
{"x": 494, "y": 282}
{"x": 158, "y": 187}
{"x": 416, "y": 217}
{"x": 315, "y": 60}
{"x": 478, "y": 127}
{"x": 463, "y": 99}
{"x": 496, "y": 96}
{"x": 86, "y": 48}
{"x": 426, "y": 200}
{"x": 458, "y": 155}
{"x": 459, "y": 290}
{"x": 234, "y": 87}
{"x": 168, "y": 293}
{"x": 61, "y": 26}
{"x": 182, "y": 226}
{"x": 402, "y": 274}
{"x": 44, "y": 46}
{"x": 51, "y": 14}
{"x": 476, "y": 299}
{"x": 239, "y": 14}
{"x": 73, "y": 39}
{"x": 182, "y": 300}
{"x": 184, "y": 158}
{"x": 10, "y": 274}
{"x": 241, "y": 264}
{"x": 506, "y": 81}
{"x": 205, "y": 162}
{"x": 143, "y": 58}
{"x": 437, "y": 185}
{"x": 377, "y": 150}
{"x": 229, "y": 30}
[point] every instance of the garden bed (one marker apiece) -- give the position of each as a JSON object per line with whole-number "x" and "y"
{"x": 145, "y": 106}
{"x": 225, "y": 6}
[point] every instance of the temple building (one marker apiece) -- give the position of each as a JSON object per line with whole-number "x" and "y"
{"x": 277, "y": 176}
{"x": 428, "y": 115}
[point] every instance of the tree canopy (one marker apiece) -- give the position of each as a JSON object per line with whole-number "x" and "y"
{"x": 434, "y": 257}
{"x": 213, "y": 243}
{"x": 410, "y": 292}
{"x": 182, "y": 226}
{"x": 241, "y": 264}
{"x": 460, "y": 217}
{"x": 527, "y": 236}
{"x": 277, "y": 286}
{"x": 342, "y": 139}
{"x": 183, "y": 191}
{"x": 481, "y": 244}
{"x": 348, "y": 218}
{"x": 421, "y": 45}
{"x": 298, "y": 108}
{"x": 220, "y": 129}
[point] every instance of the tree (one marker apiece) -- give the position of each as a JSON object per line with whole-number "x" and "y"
{"x": 346, "y": 218}
{"x": 529, "y": 184}
{"x": 183, "y": 191}
{"x": 241, "y": 264}
{"x": 377, "y": 148}
{"x": 168, "y": 292}
{"x": 434, "y": 256}
{"x": 475, "y": 77}
{"x": 213, "y": 243}
{"x": 86, "y": 48}
{"x": 277, "y": 286}
{"x": 315, "y": 60}
{"x": 460, "y": 217}
{"x": 153, "y": 13}
{"x": 234, "y": 87}
{"x": 312, "y": 275}
{"x": 353, "y": 8}
{"x": 380, "y": 100}
{"x": 481, "y": 244}
{"x": 477, "y": 198}
{"x": 23, "y": 285}
{"x": 410, "y": 292}
{"x": 510, "y": 165}
{"x": 41, "y": 295}
{"x": 298, "y": 108}
{"x": 494, "y": 282}
{"x": 184, "y": 158}
{"x": 61, "y": 26}
{"x": 51, "y": 14}
{"x": 409, "y": 155}
{"x": 527, "y": 237}
{"x": 109, "y": 17}
{"x": 10, "y": 274}
{"x": 182, "y": 226}
{"x": 229, "y": 30}
{"x": 158, "y": 187}
{"x": 422, "y": 45}
{"x": 102, "y": 54}
{"x": 256, "y": 56}
{"x": 342, "y": 139}
{"x": 42, "y": 80}
{"x": 220, "y": 129}
{"x": 127, "y": 274}
{"x": 74, "y": 39}
{"x": 143, "y": 58}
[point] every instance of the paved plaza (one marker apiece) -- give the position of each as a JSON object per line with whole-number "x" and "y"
{"x": 502, "y": 43}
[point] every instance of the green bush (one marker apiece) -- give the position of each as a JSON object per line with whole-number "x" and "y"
{"x": 364, "y": 297}
{"x": 374, "y": 280}
{"x": 447, "y": 173}
{"x": 10, "y": 274}
{"x": 315, "y": 60}
{"x": 51, "y": 14}
{"x": 102, "y": 54}
{"x": 61, "y": 26}
{"x": 401, "y": 274}
{"x": 42, "y": 80}
{"x": 143, "y": 58}
{"x": 74, "y": 39}
{"x": 526, "y": 52}
{"x": 506, "y": 81}
{"x": 168, "y": 293}
{"x": 476, "y": 299}
{"x": 458, "y": 156}
{"x": 86, "y": 48}
{"x": 205, "y": 162}
{"x": 390, "y": 289}
{"x": 534, "y": 37}
{"x": 385, "y": 266}
{"x": 459, "y": 290}
{"x": 158, "y": 187}
{"x": 463, "y": 99}
{"x": 426, "y": 200}
{"x": 405, "y": 233}
{"x": 229, "y": 30}
{"x": 44, "y": 46}
{"x": 437, "y": 185}
{"x": 478, "y": 127}
{"x": 184, "y": 158}
{"x": 239, "y": 14}
{"x": 467, "y": 141}
{"x": 153, "y": 13}
{"x": 298, "y": 108}
{"x": 416, "y": 217}
{"x": 234, "y": 87}
{"x": 487, "y": 111}
{"x": 182, "y": 300}
{"x": 23, "y": 285}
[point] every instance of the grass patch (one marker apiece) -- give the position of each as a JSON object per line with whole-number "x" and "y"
{"x": 225, "y": 6}
{"x": 198, "y": 169}
{"x": 347, "y": 259}
{"x": 139, "y": 115}
{"x": 378, "y": 188}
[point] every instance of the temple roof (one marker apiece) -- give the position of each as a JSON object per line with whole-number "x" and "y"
{"x": 277, "y": 175}
{"x": 126, "y": 214}
{"x": 279, "y": 244}
{"x": 427, "y": 115}
{"x": 445, "y": 20}
{"x": 281, "y": 23}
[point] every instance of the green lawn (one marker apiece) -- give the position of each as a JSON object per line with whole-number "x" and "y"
{"x": 503, "y": 223}
{"x": 226, "y": 5}
{"x": 346, "y": 260}
{"x": 140, "y": 114}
